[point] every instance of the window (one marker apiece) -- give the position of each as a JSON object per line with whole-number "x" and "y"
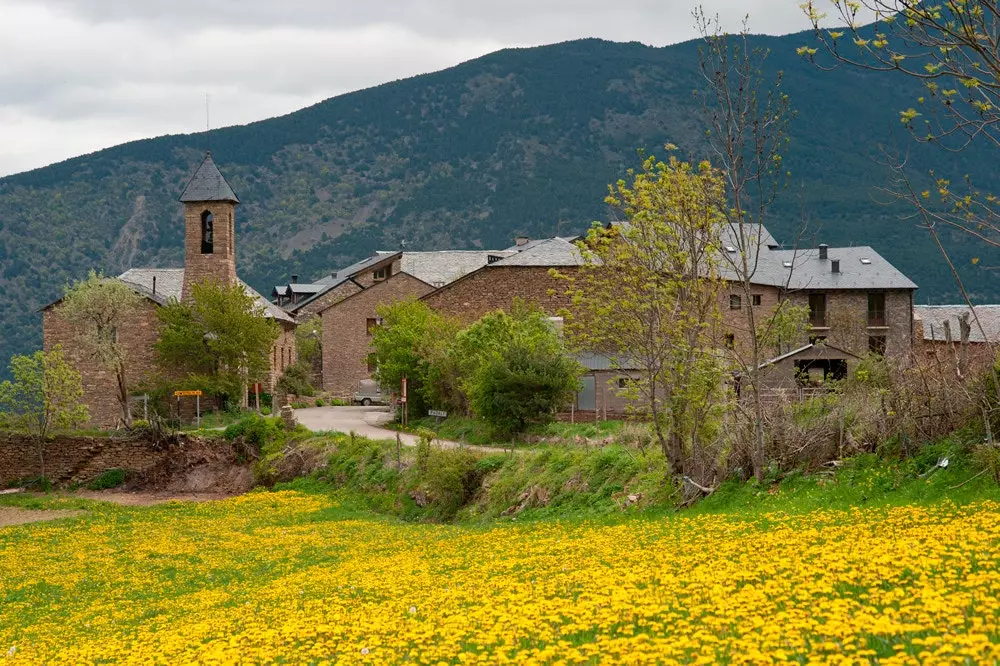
{"x": 817, "y": 310}
{"x": 755, "y": 299}
{"x": 372, "y": 366}
{"x": 876, "y": 309}
{"x": 493, "y": 258}
{"x": 876, "y": 344}
{"x": 207, "y": 235}
{"x": 623, "y": 382}
{"x": 370, "y": 325}
{"x": 817, "y": 339}
{"x": 730, "y": 341}
{"x": 381, "y": 273}
{"x": 735, "y": 302}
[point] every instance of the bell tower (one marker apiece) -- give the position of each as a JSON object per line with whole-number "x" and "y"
{"x": 209, "y": 228}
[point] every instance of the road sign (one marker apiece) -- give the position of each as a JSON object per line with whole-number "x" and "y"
{"x": 181, "y": 394}
{"x": 437, "y": 412}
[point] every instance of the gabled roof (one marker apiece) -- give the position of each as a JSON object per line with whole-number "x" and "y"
{"x": 804, "y": 348}
{"x": 445, "y": 266}
{"x": 549, "y": 252}
{"x": 208, "y": 184}
{"x": 934, "y": 317}
{"x": 170, "y": 282}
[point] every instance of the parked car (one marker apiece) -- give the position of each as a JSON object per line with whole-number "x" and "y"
{"x": 370, "y": 393}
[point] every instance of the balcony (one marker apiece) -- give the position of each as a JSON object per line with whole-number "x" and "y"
{"x": 876, "y": 319}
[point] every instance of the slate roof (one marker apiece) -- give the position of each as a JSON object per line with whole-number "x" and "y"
{"x": 860, "y": 268}
{"x": 170, "y": 281}
{"x": 445, "y": 266}
{"x": 549, "y": 252}
{"x": 796, "y": 352}
{"x": 208, "y": 184}
{"x": 934, "y": 317}
{"x": 537, "y": 241}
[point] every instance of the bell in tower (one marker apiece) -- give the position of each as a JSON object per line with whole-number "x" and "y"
{"x": 209, "y": 234}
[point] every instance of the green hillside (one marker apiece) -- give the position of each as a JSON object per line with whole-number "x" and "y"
{"x": 519, "y": 142}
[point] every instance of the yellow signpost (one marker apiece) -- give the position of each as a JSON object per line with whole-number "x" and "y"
{"x": 197, "y": 404}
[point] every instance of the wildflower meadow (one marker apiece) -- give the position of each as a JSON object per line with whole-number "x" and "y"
{"x": 290, "y": 577}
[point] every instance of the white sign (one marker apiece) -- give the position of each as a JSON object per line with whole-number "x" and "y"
{"x": 437, "y": 412}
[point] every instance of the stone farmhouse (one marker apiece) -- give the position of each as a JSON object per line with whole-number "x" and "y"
{"x": 857, "y": 302}
{"x": 209, "y": 254}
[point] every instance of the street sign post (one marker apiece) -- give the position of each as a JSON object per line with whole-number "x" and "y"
{"x": 197, "y": 404}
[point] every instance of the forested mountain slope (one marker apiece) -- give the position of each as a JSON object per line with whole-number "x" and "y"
{"x": 519, "y": 142}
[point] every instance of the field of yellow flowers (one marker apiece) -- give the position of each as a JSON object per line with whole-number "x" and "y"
{"x": 286, "y": 577}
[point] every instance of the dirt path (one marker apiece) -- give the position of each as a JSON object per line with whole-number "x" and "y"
{"x": 10, "y": 515}
{"x": 367, "y": 422}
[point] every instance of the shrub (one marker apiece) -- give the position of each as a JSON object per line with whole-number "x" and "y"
{"x": 300, "y": 404}
{"x": 320, "y": 402}
{"x": 295, "y": 380}
{"x": 256, "y": 431}
{"x": 111, "y": 478}
{"x": 452, "y": 479}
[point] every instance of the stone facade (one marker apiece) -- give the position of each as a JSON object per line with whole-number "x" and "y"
{"x": 346, "y": 331}
{"x": 332, "y": 297}
{"x": 283, "y": 354}
{"x": 848, "y": 327}
{"x": 495, "y": 288}
{"x": 100, "y": 386}
{"x": 219, "y": 266}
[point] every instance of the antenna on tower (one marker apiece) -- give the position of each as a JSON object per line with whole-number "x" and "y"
{"x": 208, "y": 125}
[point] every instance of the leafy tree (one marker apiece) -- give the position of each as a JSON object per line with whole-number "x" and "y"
{"x": 524, "y": 383}
{"x": 514, "y": 368}
{"x": 221, "y": 340}
{"x": 99, "y": 309}
{"x": 43, "y": 396}
{"x": 308, "y": 335}
{"x": 648, "y": 292}
{"x": 412, "y": 341}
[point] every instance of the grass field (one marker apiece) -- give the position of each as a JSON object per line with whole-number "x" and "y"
{"x": 294, "y": 577}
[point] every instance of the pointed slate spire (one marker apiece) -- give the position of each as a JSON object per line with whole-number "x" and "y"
{"x": 208, "y": 184}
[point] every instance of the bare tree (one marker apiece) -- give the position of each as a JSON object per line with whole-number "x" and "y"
{"x": 748, "y": 120}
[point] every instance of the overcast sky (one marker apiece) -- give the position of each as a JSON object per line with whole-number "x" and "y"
{"x": 81, "y": 75}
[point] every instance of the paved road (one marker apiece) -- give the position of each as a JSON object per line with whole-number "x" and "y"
{"x": 365, "y": 421}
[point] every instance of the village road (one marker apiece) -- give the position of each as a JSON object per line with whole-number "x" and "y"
{"x": 367, "y": 422}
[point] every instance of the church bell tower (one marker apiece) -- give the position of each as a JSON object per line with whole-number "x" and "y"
{"x": 209, "y": 228}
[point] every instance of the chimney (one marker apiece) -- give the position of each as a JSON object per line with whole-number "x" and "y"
{"x": 835, "y": 266}
{"x": 154, "y": 285}
{"x": 295, "y": 278}
{"x": 521, "y": 240}
{"x": 822, "y": 251}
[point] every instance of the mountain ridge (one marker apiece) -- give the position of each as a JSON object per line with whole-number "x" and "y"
{"x": 522, "y": 141}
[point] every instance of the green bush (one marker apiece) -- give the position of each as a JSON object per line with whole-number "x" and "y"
{"x": 452, "y": 478}
{"x": 300, "y": 404}
{"x": 111, "y": 478}
{"x": 256, "y": 431}
{"x": 295, "y": 380}
{"x": 320, "y": 402}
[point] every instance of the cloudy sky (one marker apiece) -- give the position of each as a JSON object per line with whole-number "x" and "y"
{"x": 80, "y": 75}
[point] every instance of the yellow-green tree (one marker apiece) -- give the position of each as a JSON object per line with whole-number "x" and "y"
{"x": 44, "y": 395}
{"x": 99, "y": 309}
{"x": 648, "y": 292}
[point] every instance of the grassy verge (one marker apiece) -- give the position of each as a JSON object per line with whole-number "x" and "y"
{"x": 471, "y": 431}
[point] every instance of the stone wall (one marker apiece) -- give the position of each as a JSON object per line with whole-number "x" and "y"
{"x": 100, "y": 386}
{"x": 332, "y": 297}
{"x": 847, "y": 321}
{"x": 345, "y": 331}
{"x": 495, "y": 288}
{"x": 77, "y": 459}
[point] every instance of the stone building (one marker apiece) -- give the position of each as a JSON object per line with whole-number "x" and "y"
{"x": 959, "y": 340}
{"x": 209, "y": 254}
